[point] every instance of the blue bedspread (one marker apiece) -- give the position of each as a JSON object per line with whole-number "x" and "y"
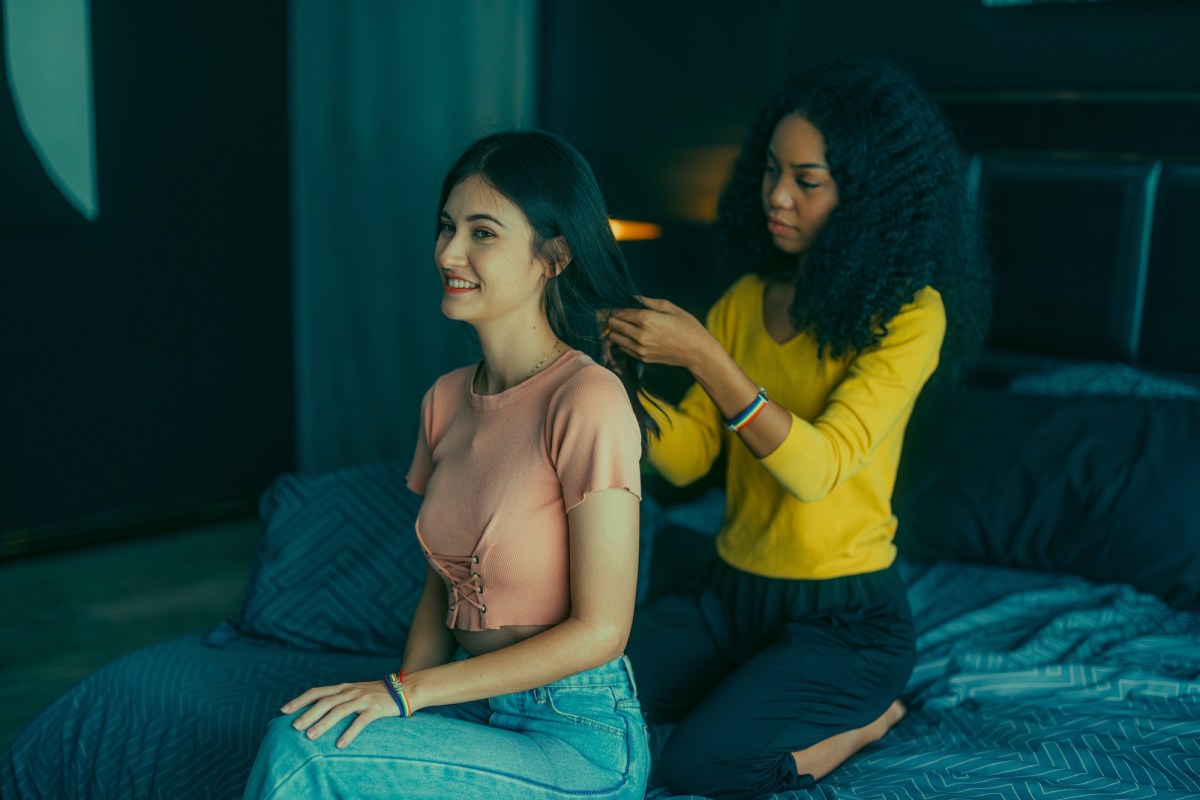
{"x": 1028, "y": 685}
{"x": 1032, "y": 685}
{"x": 181, "y": 719}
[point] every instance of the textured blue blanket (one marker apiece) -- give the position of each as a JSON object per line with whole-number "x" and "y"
{"x": 1028, "y": 685}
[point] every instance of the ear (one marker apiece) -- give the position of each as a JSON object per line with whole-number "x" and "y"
{"x": 557, "y": 256}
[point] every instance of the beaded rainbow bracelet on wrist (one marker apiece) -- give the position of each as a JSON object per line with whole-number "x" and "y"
{"x": 746, "y": 417}
{"x": 395, "y": 685}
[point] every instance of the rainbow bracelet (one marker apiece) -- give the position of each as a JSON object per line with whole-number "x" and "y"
{"x": 395, "y": 685}
{"x": 746, "y": 417}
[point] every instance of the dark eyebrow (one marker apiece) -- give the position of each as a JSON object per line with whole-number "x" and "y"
{"x": 812, "y": 165}
{"x": 475, "y": 218}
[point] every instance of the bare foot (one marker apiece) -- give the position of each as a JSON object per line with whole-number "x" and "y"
{"x": 894, "y": 714}
{"x": 823, "y": 757}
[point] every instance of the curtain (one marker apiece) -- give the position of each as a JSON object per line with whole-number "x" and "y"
{"x": 384, "y": 95}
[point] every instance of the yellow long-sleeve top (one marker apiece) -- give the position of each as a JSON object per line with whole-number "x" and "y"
{"x": 819, "y": 506}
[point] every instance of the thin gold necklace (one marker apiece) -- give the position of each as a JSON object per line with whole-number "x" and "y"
{"x": 481, "y": 375}
{"x": 545, "y": 355}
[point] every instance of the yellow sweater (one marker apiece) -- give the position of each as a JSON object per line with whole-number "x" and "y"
{"x": 819, "y": 506}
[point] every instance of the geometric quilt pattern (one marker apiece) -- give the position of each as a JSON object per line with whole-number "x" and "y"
{"x": 338, "y": 566}
{"x": 1027, "y": 685}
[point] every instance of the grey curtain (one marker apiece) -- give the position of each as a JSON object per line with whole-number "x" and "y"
{"x": 384, "y": 95}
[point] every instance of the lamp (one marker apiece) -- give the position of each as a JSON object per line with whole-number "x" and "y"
{"x": 625, "y": 230}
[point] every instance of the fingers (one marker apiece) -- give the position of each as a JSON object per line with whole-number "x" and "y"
{"x": 643, "y": 316}
{"x": 658, "y": 334}
{"x": 324, "y": 714}
{"x": 616, "y": 323}
{"x": 364, "y": 719}
{"x": 656, "y": 304}
{"x": 630, "y": 346}
{"x": 621, "y": 331}
{"x": 627, "y": 320}
{"x": 311, "y": 696}
{"x": 332, "y": 704}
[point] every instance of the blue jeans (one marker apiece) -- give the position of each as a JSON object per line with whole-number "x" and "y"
{"x": 582, "y": 735}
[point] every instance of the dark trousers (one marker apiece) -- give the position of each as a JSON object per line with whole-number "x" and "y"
{"x": 753, "y": 669}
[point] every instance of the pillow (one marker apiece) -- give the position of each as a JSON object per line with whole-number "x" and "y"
{"x": 338, "y": 566}
{"x": 1104, "y": 378}
{"x": 1103, "y": 487}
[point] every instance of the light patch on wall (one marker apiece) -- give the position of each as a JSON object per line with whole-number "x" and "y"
{"x": 694, "y": 177}
{"x": 627, "y": 230}
{"x": 49, "y": 68}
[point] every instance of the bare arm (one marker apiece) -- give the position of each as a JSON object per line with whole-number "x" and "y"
{"x": 430, "y": 643}
{"x": 603, "y": 532}
{"x": 603, "y": 550}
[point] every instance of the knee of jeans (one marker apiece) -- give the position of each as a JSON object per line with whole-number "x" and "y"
{"x": 281, "y": 739}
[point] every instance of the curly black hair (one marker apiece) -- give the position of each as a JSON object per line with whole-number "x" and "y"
{"x": 904, "y": 218}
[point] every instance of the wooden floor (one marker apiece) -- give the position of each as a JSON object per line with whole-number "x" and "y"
{"x": 64, "y": 614}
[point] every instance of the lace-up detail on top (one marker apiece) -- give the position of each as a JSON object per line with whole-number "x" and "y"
{"x": 466, "y": 584}
{"x": 500, "y": 473}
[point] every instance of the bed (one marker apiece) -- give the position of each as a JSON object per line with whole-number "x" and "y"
{"x": 1049, "y": 531}
{"x": 1029, "y": 683}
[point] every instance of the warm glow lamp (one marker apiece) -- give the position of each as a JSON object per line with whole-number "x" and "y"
{"x": 629, "y": 231}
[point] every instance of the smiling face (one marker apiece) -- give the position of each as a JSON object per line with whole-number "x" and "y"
{"x": 798, "y": 190}
{"x": 484, "y": 253}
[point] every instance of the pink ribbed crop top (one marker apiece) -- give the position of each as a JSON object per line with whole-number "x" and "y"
{"x": 499, "y": 473}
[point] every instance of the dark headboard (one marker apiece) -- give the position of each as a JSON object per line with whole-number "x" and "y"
{"x": 1092, "y": 209}
{"x": 1093, "y": 227}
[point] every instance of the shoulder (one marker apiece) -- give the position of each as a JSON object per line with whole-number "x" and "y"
{"x": 925, "y": 309}
{"x": 449, "y": 389}
{"x": 590, "y": 419}
{"x": 588, "y": 382}
{"x": 590, "y": 397}
{"x": 921, "y": 319}
{"x": 455, "y": 379}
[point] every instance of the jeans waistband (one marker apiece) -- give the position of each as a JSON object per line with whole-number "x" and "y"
{"x": 617, "y": 672}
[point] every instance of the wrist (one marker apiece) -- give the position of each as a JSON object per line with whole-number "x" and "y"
{"x": 747, "y": 415}
{"x": 396, "y": 687}
{"x": 705, "y": 359}
{"x": 417, "y": 698}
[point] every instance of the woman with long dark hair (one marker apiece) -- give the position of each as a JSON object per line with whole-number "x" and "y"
{"x": 849, "y": 210}
{"x": 513, "y": 682}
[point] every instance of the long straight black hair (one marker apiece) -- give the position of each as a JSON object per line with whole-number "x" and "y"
{"x": 553, "y": 185}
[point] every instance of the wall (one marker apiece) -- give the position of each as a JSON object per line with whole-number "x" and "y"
{"x": 383, "y": 98}
{"x": 146, "y": 357}
{"x": 659, "y": 95}
{"x": 626, "y": 76}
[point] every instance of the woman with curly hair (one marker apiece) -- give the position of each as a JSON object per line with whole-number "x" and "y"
{"x": 849, "y": 206}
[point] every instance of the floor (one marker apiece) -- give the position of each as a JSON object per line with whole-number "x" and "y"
{"x": 64, "y": 614}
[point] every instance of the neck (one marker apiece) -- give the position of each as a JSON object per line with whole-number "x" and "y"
{"x": 515, "y": 357}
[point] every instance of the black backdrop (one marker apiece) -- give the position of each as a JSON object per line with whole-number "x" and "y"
{"x": 146, "y": 357}
{"x": 659, "y": 95}
{"x": 627, "y": 80}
